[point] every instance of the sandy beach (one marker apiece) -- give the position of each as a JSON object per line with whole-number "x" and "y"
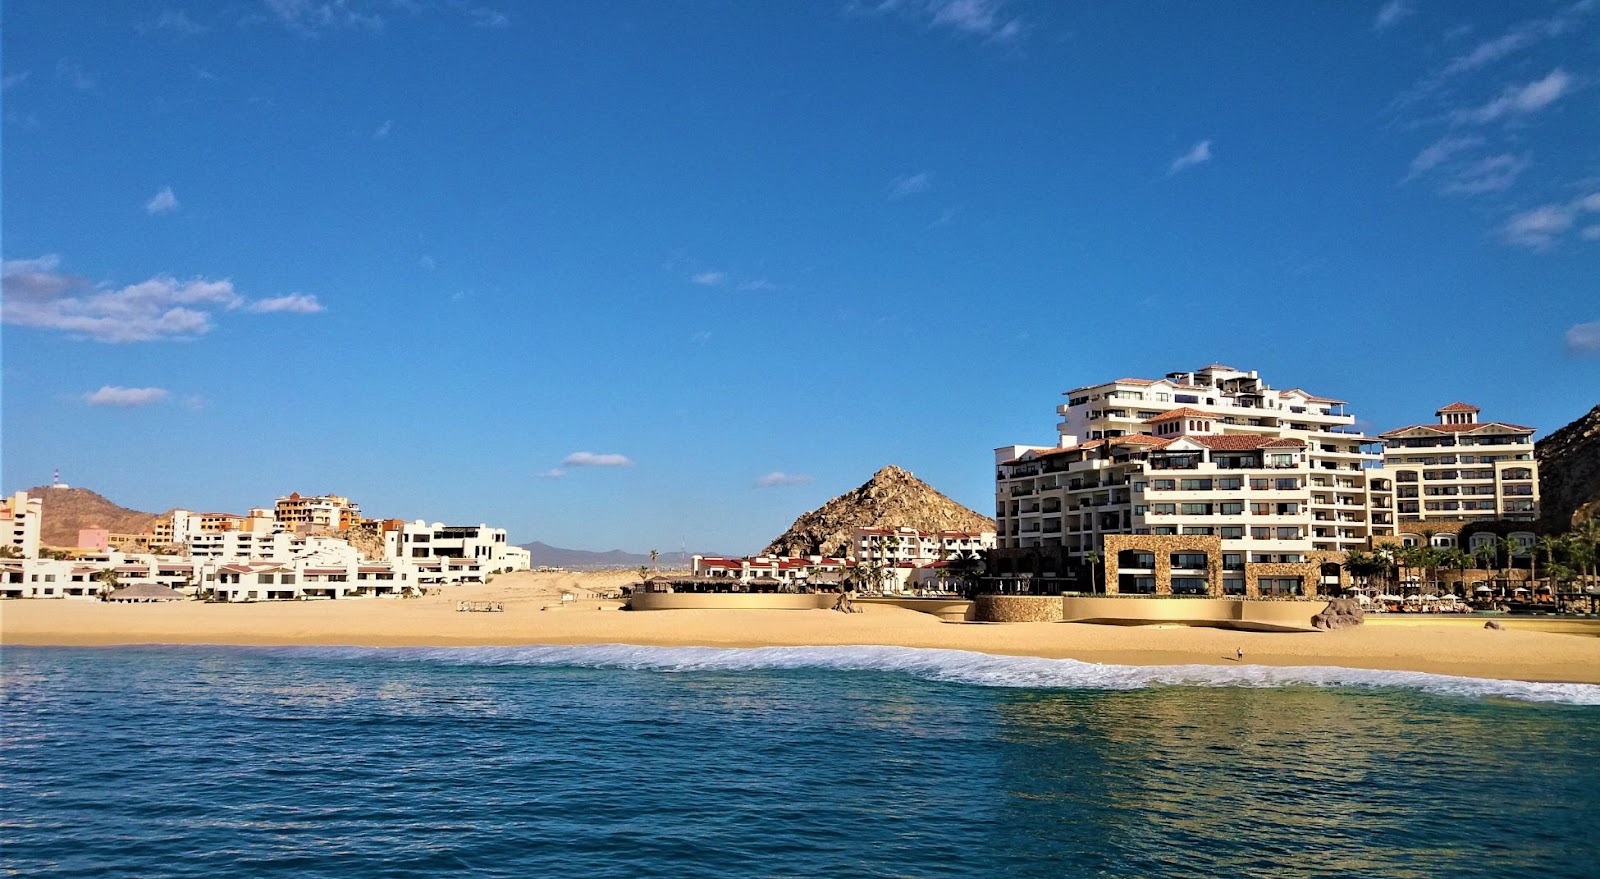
{"x": 534, "y": 614}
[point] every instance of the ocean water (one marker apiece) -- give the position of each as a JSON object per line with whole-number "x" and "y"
{"x": 804, "y": 762}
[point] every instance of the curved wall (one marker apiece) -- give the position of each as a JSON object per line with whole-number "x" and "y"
{"x": 1230, "y": 613}
{"x": 1018, "y": 609}
{"x": 731, "y": 601}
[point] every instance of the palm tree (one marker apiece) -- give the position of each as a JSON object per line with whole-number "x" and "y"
{"x": 653, "y": 556}
{"x": 10, "y": 551}
{"x": 966, "y": 568}
{"x": 1485, "y": 556}
{"x": 1512, "y": 549}
{"x": 1456, "y": 559}
{"x": 1547, "y": 544}
{"x": 108, "y": 582}
{"x": 1092, "y": 558}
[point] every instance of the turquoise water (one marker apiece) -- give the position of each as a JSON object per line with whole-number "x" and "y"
{"x": 640, "y": 762}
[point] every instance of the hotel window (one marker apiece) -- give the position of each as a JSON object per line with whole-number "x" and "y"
{"x": 1188, "y": 585}
{"x": 1164, "y": 530}
{"x": 1141, "y": 509}
{"x": 1233, "y": 561}
{"x": 1230, "y": 483}
{"x": 265, "y": 578}
{"x": 1231, "y": 531}
{"x": 1232, "y": 508}
{"x": 1198, "y": 529}
{"x": 1188, "y": 560}
{"x": 1196, "y": 484}
{"x": 1288, "y": 533}
{"x": 1232, "y": 585}
{"x": 1196, "y": 509}
{"x": 1163, "y": 509}
{"x": 1260, "y": 484}
{"x": 1286, "y": 484}
{"x": 1261, "y": 533}
{"x": 1161, "y": 484}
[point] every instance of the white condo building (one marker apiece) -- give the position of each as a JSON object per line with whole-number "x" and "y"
{"x": 1275, "y": 474}
{"x": 1461, "y": 469}
{"x": 889, "y": 547}
{"x": 20, "y": 519}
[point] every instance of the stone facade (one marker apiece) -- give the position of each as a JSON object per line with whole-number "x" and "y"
{"x": 1164, "y": 546}
{"x": 1019, "y": 609}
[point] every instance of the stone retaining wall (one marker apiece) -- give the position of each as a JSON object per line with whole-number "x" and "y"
{"x": 1018, "y": 609}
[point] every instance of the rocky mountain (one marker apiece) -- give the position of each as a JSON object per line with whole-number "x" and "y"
{"x": 545, "y": 555}
{"x": 891, "y": 498}
{"x": 1569, "y": 472}
{"x": 66, "y": 510}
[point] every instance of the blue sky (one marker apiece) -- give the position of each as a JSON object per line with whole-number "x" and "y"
{"x": 659, "y": 274}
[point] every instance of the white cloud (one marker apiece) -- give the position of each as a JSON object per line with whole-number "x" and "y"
{"x": 38, "y": 294}
{"x": 1520, "y": 100}
{"x": 1537, "y": 228}
{"x": 15, "y": 79}
{"x": 382, "y": 131}
{"x": 1198, "y": 154}
{"x": 778, "y": 477}
{"x": 553, "y": 473}
{"x": 1584, "y": 339}
{"x": 989, "y": 19}
{"x": 701, "y": 337}
{"x": 1520, "y": 36}
{"x": 72, "y": 74}
{"x": 483, "y": 16}
{"x": 1494, "y": 174}
{"x": 112, "y": 395}
{"x": 709, "y": 279}
{"x": 1441, "y": 151}
{"x": 758, "y": 285}
{"x": 175, "y": 21}
{"x": 1540, "y": 227}
{"x": 1590, "y": 233}
{"x": 1390, "y": 14}
{"x": 911, "y": 184}
{"x": 592, "y": 459}
{"x": 294, "y": 303}
{"x": 311, "y": 16}
{"x": 163, "y": 202}
{"x": 426, "y": 262}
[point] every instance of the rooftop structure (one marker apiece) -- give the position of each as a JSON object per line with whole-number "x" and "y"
{"x": 1461, "y": 469}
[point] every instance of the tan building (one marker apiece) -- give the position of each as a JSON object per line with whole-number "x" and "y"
{"x": 1276, "y": 477}
{"x": 328, "y": 512}
{"x": 1462, "y": 469}
{"x": 20, "y": 520}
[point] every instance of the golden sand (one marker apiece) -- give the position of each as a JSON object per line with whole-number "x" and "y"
{"x": 534, "y": 614}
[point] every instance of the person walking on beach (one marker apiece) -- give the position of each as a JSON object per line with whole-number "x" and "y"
{"x": 1240, "y": 654}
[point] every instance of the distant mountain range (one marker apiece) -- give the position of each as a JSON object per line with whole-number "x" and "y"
{"x": 545, "y": 555}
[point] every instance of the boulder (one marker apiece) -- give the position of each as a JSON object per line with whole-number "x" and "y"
{"x": 1341, "y": 613}
{"x": 1493, "y": 624}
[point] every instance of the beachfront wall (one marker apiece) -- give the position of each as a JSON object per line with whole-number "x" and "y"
{"x": 1270, "y": 616}
{"x": 732, "y": 600}
{"x": 1018, "y": 609}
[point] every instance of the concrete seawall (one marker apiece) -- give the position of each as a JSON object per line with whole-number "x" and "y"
{"x": 1232, "y": 613}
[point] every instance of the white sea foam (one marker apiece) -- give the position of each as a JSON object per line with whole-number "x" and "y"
{"x": 988, "y": 670}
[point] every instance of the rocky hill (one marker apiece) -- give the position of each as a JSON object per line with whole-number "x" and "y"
{"x": 66, "y": 510}
{"x": 891, "y": 498}
{"x": 1569, "y": 472}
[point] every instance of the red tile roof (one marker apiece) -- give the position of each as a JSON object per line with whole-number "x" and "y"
{"x": 1458, "y": 428}
{"x": 1459, "y": 406}
{"x": 1244, "y": 443}
{"x": 1181, "y": 412}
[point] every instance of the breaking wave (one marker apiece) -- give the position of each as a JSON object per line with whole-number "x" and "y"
{"x": 985, "y": 670}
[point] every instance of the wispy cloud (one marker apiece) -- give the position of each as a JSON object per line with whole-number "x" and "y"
{"x": 757, "y": 285}
{"x": 294, "y": 303}
{"x": 175, "y": 22}
{"x": 13, "y": 80}
{"x": 483, "y": 16}
{"x": 778, "y": 477}
{"x": 709, "y": 279}
{"x": 1198, "y": 154}
{"x": 312, "y": 16}
{"x": 701, "y": 337}
{"x": 1584, "y": 339}
{"x": 989, "y": 20}
{"x": 69, "y": 72}
{"x": 1493, "y": 174}
{"x": 593, "y": 459}
{"x": 553, "y": 473}
{"x": 1390, "y": 14}
{"x": 112, "y": 395}
{"x": 1519, "y": 100}
{"x": 910, "y": 184}
{"x": 1519, "y": 36}
{"x": 426, "y": 262}
{"x": 382, "y": 131}
{"x": 163, "y": 202}
{"x": 1441, "y": 151}
{"x": 38, "y": 294}
{"x": 1540, "y": 227}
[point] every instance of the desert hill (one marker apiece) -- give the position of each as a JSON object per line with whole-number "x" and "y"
{"x": 67, "y": 510}
{"x": 891, "y": 498}
{"x": 1569, "y": 472}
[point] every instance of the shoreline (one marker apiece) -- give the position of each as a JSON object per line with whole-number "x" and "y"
{"x": 535, "y": 615}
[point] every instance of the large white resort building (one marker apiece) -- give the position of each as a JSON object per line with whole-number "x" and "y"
{"x": 1461, "y": 469}
{"x": 1252, "y": 474}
